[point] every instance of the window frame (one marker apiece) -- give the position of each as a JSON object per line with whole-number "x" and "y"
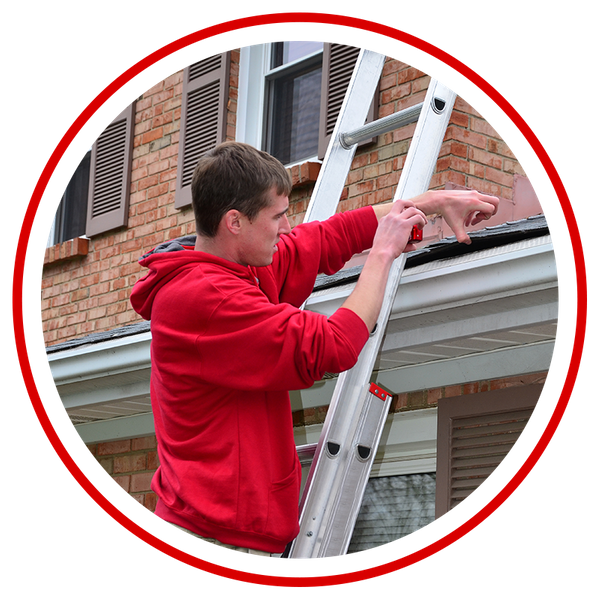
{"x": 306, "y": 64}
{"x": 254, "y": 90}
{"x": 251, "y": 115}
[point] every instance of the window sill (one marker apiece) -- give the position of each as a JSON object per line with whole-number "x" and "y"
{"x": 66, "y": 251}
{"x": 304, "y": 174}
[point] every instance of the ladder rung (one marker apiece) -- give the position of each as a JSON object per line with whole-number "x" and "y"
{"x": 384, "y": 125}
{"x": 306, "y": 453}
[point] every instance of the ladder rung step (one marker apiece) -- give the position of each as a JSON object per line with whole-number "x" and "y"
{"x": 389, "y": 123}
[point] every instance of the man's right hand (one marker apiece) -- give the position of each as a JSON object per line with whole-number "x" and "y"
{"x": 394, "y": 230}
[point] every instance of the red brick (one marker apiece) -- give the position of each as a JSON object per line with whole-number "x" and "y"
{"x": 117, "y": 447}
{"x": 124, "y": 481}
{"x": 150, "y": 500}
{"x": 129, "y": 462}
{"x": 140, "y": 482}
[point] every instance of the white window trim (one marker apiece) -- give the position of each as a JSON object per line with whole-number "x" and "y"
{"x": 255, "y": 64}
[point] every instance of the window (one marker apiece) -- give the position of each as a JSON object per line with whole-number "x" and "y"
{"x": 293, "y": 100}
{"x": 69, "y": 222}
{"x": 290, "y": 94}
{"x": 400, "y": 495}
{"x": 392, "y": 508}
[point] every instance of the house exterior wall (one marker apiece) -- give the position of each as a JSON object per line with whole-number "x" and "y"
{"x": 87, "y": 282}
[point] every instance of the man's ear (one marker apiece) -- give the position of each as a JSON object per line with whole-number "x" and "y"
{"x": 232, "y": 221}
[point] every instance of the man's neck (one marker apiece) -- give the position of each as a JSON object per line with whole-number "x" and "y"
{"x": 215, "y": 247}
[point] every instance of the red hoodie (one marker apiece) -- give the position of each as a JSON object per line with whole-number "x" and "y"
{"x": 228, "y": 342}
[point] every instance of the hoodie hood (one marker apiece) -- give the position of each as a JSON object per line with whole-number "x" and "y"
{"x": 172, "y": 246}
{"x": 169, "y": 260}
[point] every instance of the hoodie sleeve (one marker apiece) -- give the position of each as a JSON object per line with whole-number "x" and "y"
{"x": 251, "y": 344}
{"x": 320, "y": 247}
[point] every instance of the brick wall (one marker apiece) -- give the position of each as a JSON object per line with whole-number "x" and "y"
{"x": 86, "y": 284}
{"x": 131, "y": 463}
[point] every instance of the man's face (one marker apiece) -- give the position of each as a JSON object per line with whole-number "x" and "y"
{"x": 260, "y": 236}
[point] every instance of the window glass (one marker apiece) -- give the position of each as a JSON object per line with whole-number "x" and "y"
{"x": 392, "y": 508}
{"x": 287, "y": 52}
{"x": 295, "y": 116}
{"x": 293, "y": 101}
{"x": 71, "y": 215}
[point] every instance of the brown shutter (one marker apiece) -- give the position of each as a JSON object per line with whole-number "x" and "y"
{"x": 475, "y": 432}
{"x": 338, "y": 64}
{"x": 110, "y": 176}
{"x": 203, "y": 118}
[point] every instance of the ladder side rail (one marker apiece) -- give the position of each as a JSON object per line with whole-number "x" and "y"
{"x": 318, "y": 506}
{"x": 354, "y": 477}
{"x": 353, "y": 113}
{"x": 421, "y": 164}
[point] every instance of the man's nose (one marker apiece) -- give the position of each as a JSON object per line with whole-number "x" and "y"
{"x": 285, "y": 225}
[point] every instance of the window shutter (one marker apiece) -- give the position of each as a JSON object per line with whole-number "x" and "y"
{"x": 475, "y": 432}
{"x": 203, "y": 118}
{"x": 110, "y": 176}
{"x": 338, "y": 65}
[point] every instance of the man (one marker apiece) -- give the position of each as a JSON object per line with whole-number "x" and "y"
{"x": 229, "y": 341}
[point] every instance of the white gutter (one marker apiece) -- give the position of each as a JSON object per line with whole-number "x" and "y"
{"x": 101, "y": 359}
{"x": 497, "y": 272}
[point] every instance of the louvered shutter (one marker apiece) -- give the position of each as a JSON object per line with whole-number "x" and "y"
{"x": 475, "y": 432}
{"x": 110, "y": 176}
{"x": 338, "y": 64}
{"x": 203, "y": 118}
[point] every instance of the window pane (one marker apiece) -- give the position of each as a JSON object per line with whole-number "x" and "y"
{"x": 72, "y": 210}
{"x": 295, "y": 116}
{"x": 287, "y": 52}
{"x": 392, "y": 508}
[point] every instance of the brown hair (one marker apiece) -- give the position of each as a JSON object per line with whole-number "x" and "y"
{"x": 236, "y": 176}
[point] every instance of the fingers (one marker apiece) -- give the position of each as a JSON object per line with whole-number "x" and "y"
{"x": 405, "y": 210}
{"x": 466, "y": 208}
{"x": 462, "y": 236}
{"x": 394, "y": 230}
{"x": 487, "y": 208}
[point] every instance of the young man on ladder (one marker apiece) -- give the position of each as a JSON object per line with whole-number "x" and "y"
{"x": 229, "y": 339}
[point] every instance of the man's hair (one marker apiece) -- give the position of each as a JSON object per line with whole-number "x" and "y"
{"x": 236, "y": 176}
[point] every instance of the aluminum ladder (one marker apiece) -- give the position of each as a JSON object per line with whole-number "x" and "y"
{"x": 348, "y": 443}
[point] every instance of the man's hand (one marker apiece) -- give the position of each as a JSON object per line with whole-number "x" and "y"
{"x": 395, "y": 228}
{"x": 459, "y": 208}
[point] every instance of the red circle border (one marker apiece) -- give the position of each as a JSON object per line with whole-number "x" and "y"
{"x": 17, "y": 296}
